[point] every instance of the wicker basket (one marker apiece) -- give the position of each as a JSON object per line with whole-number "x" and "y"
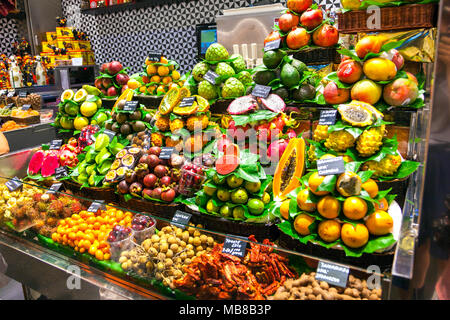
{"x": 159, "y": 209}
{"x": 412, "y": 16}
{"x": 106, "y": 194}
{"x": 313, "y": 56}
{"x": 383, "y": 260}
{"x": 27, "y": 120}
{"x": 261, "y": 231}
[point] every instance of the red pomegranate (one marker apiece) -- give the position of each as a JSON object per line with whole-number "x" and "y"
{"x": 274, "y": 35}
{"x": 297, "y": 38}
{"x": 298, "y": 5}
{"x": 287, "y": 21}
{"x": 311, "y": 18}
{"x": 326, "y": 36}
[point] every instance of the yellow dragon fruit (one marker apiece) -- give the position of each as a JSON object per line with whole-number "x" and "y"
{"x": 320, "y": 133}
{"x": 386, "y": 167}
{"x": 370, "y": 141}
{"x": 340, "y": 141}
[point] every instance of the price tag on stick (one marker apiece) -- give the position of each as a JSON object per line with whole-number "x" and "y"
{"x": 25, "y": 107}
{"x": 154, "y": 55}
{"x": 330, "y": 166}
{"x": 13, "y": 184}
{"x": 166, "y": 153}
{"x": 54, "y": 188}
{"x": 234, "y": 247}
{"x": 10, "y": 94}
{"x": 130, "y": 106}
{"x": 211, "y": 77}
{"x": 181, "y": 219}
{"x": 327, "y": 117}
{"x": 22, "y": 94}
{"x": 96, "y": 205}
{"x": 333, "y": 274}
{"x": 261, "y": 91}
{"x": 272, "y": 45}
{"x": 61, "y": 172}
{"x": 110, "y": 134}
{"x": 55, "y": 144}
{"x": 187, "y": 102}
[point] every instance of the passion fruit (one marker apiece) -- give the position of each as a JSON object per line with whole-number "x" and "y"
{"x": 302, "y": 201}
{"x": 284, "y": 209}
{"x": 349, "y": 184}
{"x": 329, "y": 207}
{"x": 379, "y": 223}
{"x": 354, "y": 208}
{"x": 314, "y": 182}
{"x": 354, "y": 236}
{"x": 329, "y": 230}
{"x": 302, "y": 223}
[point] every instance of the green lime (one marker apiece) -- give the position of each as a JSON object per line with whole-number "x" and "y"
{"x": 254, "y": 187}
{"x": 234, "y": 181}
{"x": 255, "y": 206}
{"x": 223, "y": 195}
{"x": 239, "y": 196}
{"x": 239, "y": 213}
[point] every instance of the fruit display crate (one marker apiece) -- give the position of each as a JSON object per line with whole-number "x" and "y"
{"x": 413, "y": 16}
{"x": 163, "y": 210}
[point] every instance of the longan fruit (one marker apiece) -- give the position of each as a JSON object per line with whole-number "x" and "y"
{"x": 174, "y": 247}
{"x": 163, "y": 247}
{"x": 169, "y": 253}
{"x": 203, "y": 238}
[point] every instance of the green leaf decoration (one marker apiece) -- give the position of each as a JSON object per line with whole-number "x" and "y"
{"x": 406, "y": 168}
{"x": 350, "y": 53}
{"x": 333, "y": 77}
{"x": 328, "y": 183}
{"x": 365, "y": 175}
{"x": 287, "y": 228}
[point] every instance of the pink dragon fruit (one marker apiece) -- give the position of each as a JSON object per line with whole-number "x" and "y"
{"x": 276, "y": 149}
{"x": 35, "y": 164}
{"x": 242, "y": 105}
{"x": 273, "y": 103}
{"x": 49, "y": 165}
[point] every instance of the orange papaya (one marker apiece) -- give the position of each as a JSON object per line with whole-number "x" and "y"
{"x": 289, "y": 169}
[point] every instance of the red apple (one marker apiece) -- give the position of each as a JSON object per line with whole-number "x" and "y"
{"x": 104, "y": 67}
{"x": 125, "y": 87}
{"x": 326, "y": 36}
{"x": 122, "y": 79}
{"x": 112, "y": 92}
{"x": 368, "y": 44}
{"x": 349, "y": 71}
{"x": 106, "y": 82}
{"x": 395, "y": 57}
{"x": 400, "y": 92}
{"x": 412, "y": 77}
{"x": 103, "y": 91}
{"x": 311, "y": 18}
{"x": 114, "y": 67}
{"x": 287, "y": 21}
{"x": 335, "y": 95}
{"x": 98, "y": 83}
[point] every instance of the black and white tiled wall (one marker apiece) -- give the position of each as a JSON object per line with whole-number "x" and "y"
{"x": 126, "y": 36}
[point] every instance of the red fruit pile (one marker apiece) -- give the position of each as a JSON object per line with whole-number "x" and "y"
{"x": 119, "y": 233}
{"x": 141, "y": 222}
{"x": 296, "y": 24}
{"x": 112, "y": 79}
{"x": 86, "y": 136}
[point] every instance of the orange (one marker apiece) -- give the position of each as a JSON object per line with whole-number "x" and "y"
{"x": 151, "y": 70}
{"x": 133, "y": 84}
{"x": 92, "y": 250}
{"x": 99, "y": 254}
{"x": 107, "y": 256}
{"x": 379, "y": 223}
{"x": 354, "y": 208}
{"x": 55, "y": 236}
{"x": 97, "y": 225}
{"x": 167, "y": 80}
{"x": 142, "y": 89}
{"x": 329, "y": 207}
{"x": 82, "y": 250}
{"x": 83, "y": 214}
{"x": 83, "y": 226}
{"x": 75, "y": 216}
{"x": 161, "y": 89}
{"x": 176, "y": 75}
{"x": 163, "y": 71}
{"x": 302, "y": 223}
{"x": 382, "y": 205}
{"x": 302, "y": 198}
{"x": 371, "y": 187}
{"x": 62, "y": 222}
{"x": 151, "y": 89}
{"x": 354, "y": 236}
{"x": 72, "y": 236}
{"x": 284, "y": 209}
{"x": 329, "y": 230}
{"x": 91, "y": 220}
{"x": 164, "y": 60}
{"x": 314, "y": 182}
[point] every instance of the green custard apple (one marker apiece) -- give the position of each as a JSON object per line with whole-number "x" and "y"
{"x": 233, "y": 88}
{"x": 245, "y": 77}
{"x": 238, "y": 63}
{"x": 216, "y": 52}
{"x": 200, "y": 69}
{"x": 224, "y": 69}
{"x": 207, "y": 90}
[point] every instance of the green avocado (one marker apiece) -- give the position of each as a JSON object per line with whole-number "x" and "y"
{"x": 264, "y": 77}
{"x": 289, "y": 76}
{"x": 272, "y": 58}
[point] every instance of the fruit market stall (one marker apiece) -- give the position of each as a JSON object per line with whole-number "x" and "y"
{"x": 228, "y": 182}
